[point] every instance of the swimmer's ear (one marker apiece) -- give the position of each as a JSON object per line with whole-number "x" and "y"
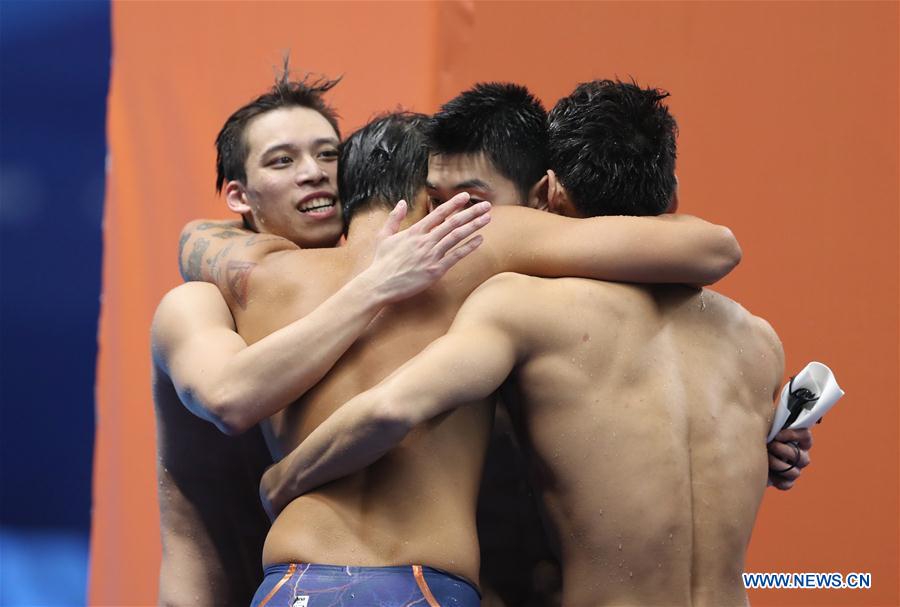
{"x": 557, "y": 197}
{"x": 537, "y": 196}
{"x": 236, "y": 198}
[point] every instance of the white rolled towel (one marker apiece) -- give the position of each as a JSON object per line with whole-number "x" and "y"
{"x": 824, "y": 392}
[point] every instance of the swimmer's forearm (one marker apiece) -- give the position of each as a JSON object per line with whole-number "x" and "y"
{"x": 368, "y": 426}
{"x": 712, "y": 251}
{"x": 352, "y": 438}
{"x": 267, "y": 376}
{"x": 665, "y": 249}
{"x": 374, "y": 422}
{"x": 669, "y": 249}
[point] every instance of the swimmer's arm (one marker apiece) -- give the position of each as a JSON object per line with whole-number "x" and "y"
{"x": 468, "y": 364}
{"x": 666, "y": 249}
{"x": 206, "y": 247}
{"x": 223, "y": 380}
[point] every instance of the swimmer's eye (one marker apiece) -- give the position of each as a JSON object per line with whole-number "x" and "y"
{"x": 435, "y": 201}
{"x": 281, "y": 161}
{"x": 328, "y": 154}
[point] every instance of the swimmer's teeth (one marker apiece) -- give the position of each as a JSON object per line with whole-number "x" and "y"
{"x": 317, "y": 204}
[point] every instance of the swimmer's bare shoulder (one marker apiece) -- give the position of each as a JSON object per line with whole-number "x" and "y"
{"x": 192, "y": 331}
{"x": 506, "y": 302}
{"x": 771, "y": 347}
{"x": 545, "y": 313}
{"x": 756, "y": 334}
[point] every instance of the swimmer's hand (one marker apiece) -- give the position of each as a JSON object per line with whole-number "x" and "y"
{"x": 788, "y": 455}
{"x": 408, "y": 262}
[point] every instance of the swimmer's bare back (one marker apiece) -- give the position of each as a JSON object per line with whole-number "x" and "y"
{"x": 646, "y": 410}
{"x": 416, "y": 505}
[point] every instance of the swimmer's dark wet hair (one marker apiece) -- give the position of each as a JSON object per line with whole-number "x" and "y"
{"x": 382, "y": 163}
{"x": 612, "y": 145}
{"x": 503, "y": 120}
{"x": 231, "y": 148}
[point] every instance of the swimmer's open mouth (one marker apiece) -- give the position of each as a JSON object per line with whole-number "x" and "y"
{"x": 317, "y": 204}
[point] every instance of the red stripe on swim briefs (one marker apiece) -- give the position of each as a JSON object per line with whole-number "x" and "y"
{"x": 423, "y": 586}
{"x": 280, "y": 583}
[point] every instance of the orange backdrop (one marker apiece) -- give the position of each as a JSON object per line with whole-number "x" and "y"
{"x": 789, "y": 135}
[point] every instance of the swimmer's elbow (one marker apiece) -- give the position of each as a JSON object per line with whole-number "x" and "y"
{"x": 391, "y": 419}
{"x": 228, "y": 412}
{"x": 228, "y": 424}
{"x": 229, "y": 428}
{"x": 731, "y": 253}
{"x": 731, "y": 248}
{"x": 725, "y": 254}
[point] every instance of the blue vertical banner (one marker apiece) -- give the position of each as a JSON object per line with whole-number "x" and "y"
{"x": 54, "y": 78}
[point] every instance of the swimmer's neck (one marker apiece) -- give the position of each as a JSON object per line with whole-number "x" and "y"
{"x": 366, "y": 225}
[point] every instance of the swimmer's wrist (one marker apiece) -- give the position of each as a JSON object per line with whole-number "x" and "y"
{"x": 371, "y": 290}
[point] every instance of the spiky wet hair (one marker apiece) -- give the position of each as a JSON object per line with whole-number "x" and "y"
{"x": 503, "y": 120}
{"x": 612, "y": 145}
{"x": 231, "y": 147}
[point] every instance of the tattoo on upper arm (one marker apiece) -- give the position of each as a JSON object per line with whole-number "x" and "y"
{"x": 238, "y": 276}
{"x": 194, "y": 264}
{"x": 214, "y": 269}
